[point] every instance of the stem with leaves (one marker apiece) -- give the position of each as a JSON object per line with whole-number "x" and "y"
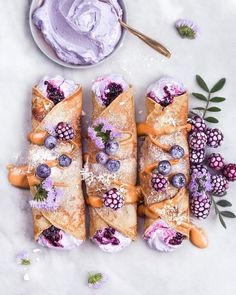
{"x": 224, "y": 213}
{"x": 208, "y": 99}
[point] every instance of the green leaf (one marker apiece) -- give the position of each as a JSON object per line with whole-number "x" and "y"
{"x": 211, "y": 120}
{"x": 224, "y": 203}
{"x": 199, "y": 96}
{"x": 214, "y": 109}
{"x": 199, "y": 109}
{"x": 228, "y": 214}
{"x": 217, "y": 99}
{"x": 222, "y": 221}
{"x": 202, "y": 83}
{"x": 218, "y": 86}
{"x": 25, "y": 262}
{"x": 193, "y": 113}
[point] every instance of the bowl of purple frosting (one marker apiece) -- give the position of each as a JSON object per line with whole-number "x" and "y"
{"x": 77, "y": 33}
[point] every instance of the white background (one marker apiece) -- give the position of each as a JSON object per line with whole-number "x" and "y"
{"x": 138, "y": 269}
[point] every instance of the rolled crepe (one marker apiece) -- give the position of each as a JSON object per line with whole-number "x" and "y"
{"x": 111, "y": 164}
{"x": 55, "y": 162}
{"x": 166, "y": 197}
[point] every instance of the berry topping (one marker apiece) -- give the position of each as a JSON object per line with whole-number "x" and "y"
{"x": 111, "y": 92}
{"x": 50, "y": 142}
{"x": 197, "y": 140}
{"x": 159, "y": 182}
{"x": 178, "y": 180}
{"x": 53, "y": 235}
{"x": 201, "y": 206}
{"x": 214, "y": 137}
{"x": 54, "y": 93}
{"x": 219, "y": 184}
{"x": 216, "y": 161}
{"x": 43, "y": 171}
{"x": 198, "y": 168}
{"x": 113, "y": 199}
{"x": 176, "y": 151}
{"x": 106, "y": 236}
{"x": 197, "y": 124}
{"x": 177, "y": 239}
{"x": 164, "y": 167}
{"x": 111, "y": 147}
{"x": 64, "y": 161}
{"x": 197, "y": 157}
{"x": 101, "y": 158}
{"x": 113, "y": 165}
{"x": 229, "y": 172}
{"x": 64, "y": 131}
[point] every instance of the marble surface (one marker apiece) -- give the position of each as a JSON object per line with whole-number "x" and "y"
{"x": 137, "y": 270}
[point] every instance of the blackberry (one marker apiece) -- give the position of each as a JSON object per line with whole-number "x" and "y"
{"x": 214, "y": 137}
{"x": 113, "y": 199}
{"x": 159, "y": 182}
{"x": 197, "y": 140}
{"x": 219, "y": 184}
{"x": 53, "y": 235}
{"x": 197, "y": 157}
{"x": 55, "y": 94}
{"x": 200, "y": 206}
{"x": 229, "y": 172}
{"x": 111, "y": 92}
{"x": 64, "y": 131}
{"x": 216, "y": 161}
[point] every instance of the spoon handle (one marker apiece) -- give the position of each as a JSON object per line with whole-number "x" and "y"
{"x": 149, "y": 41}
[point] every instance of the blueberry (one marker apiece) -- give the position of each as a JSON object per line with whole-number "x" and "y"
{"x": 43, "y": 171}
{"x": 111, "y": 147}
{"x": 113, "y": 165}
{"x": 101, "y": 158}
{"x": 64, "y": 161}
{"x": 178, "y": 180}
{"x": 50, "y": 142}
{"x": 177, "y": 151}
{"x": 164, "y": 167}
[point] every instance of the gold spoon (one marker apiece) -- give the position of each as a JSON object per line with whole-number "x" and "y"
{"x": 149, "y": 41}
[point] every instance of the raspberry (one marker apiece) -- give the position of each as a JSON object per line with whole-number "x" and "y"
{"x": 216, "y": 161}
{"x": 214, "y": 137}
{"x": 64, "y": 131}
{"x": 219, "y": 184}
{"x": 159, "y": 182}
{"x": 197, "y": 123}
{"x": 200, "y": 206}
{"x": 197, "y": 157}
{"x": 229, "y": 172}
{"x": 113, "y": 199}
{"x": 197, "y": 140}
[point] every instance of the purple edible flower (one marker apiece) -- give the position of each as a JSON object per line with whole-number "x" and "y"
{"x": 101, "y": 132}
{"x": 187, "y": 28}
{"x": 200, "y": 183}
{"x": 22, "y": 258}
{"x": 47, "y": 197}
{"x": 97, "y": 280}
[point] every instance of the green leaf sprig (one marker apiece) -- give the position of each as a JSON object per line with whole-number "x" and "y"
{"x": 208, "y": 99}
{"x": 41, "y": 193}
{"x": 223, "y": 213}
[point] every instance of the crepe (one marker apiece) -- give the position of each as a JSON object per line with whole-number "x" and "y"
{"x": 68, "y": 219}
{"x": 120, "y": 114}
{"x": 166, "y": 126}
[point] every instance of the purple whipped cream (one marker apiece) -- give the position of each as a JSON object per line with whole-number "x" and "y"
{"x": 80, "y": 31}
{"x": 110, "y": 240}
{"x": 107, "y": 88}
{"x": 161, "y": 237}
{"x": 56, "y": 238}
{"x": 164, "y": 90}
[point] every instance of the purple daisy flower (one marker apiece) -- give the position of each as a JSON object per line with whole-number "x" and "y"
{"x": 200, "y": 183}
{"x": 47, "y": 197}
{"x": 101, "y": 132}
{"x": 187, "y": 28}
{"x": 97, "y": 280}
{"x": 22, "y": 258}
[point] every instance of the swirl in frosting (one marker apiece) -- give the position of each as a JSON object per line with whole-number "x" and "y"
{"x": 80, "y": 31}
